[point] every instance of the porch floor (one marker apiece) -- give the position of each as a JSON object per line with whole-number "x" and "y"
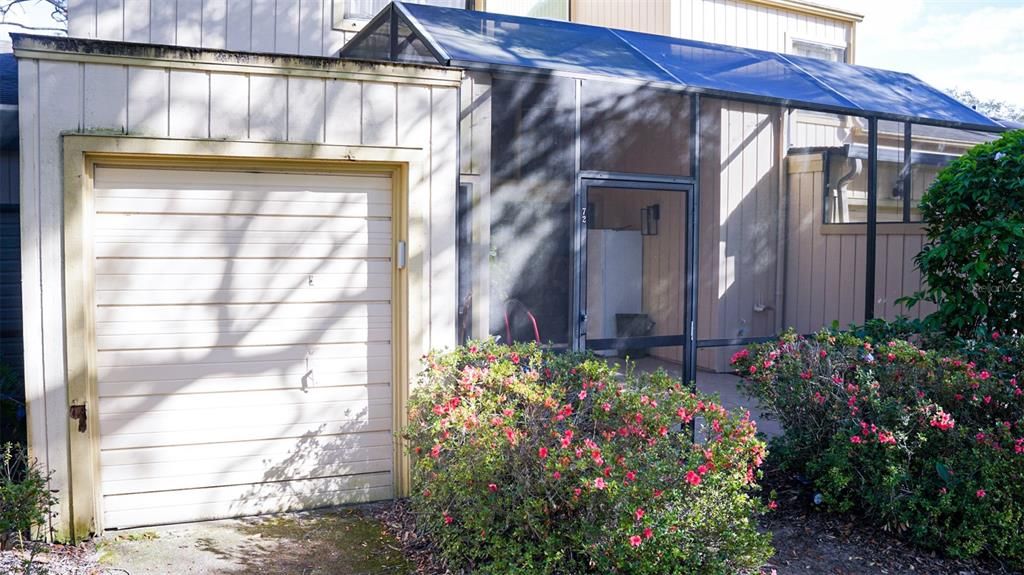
{"x": 726, "y": 385}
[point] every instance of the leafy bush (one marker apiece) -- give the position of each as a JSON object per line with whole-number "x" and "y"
{"x": 526, "y": 462}
{"x": 25, "y": 498}
{"x": 974, "y": 256}
{"x": 926, "y": 444}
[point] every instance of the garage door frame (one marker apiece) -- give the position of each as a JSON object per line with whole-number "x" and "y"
{"x": 408, "y": 168}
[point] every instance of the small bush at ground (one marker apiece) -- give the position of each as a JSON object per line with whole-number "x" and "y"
{"x": 25, "y": 498}
{"x": 531, "y": 462}
{"x": 926, "y": 444}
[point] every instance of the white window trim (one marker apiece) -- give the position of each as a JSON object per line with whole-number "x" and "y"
{"x": 791, "y": 39}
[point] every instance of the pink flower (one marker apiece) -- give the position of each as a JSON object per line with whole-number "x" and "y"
{"x": 583, "y": 395}
{"x": 692, "y": 478}
{"x": 987, "y": 399}
{"x": 577, "y": 491}
{"x": 542, "y": 452}
{"x": 448, "y": 519}
{"x": 635, "y": 540}
{"x": 557, "y": 475}
{"x": 639, "y": 514}
{"x": 855, "y": 439}
{"x": 435, "y": 451}
{"x": 648, "y": 533}
{"x": 981, "y": 493}
{"x": 606, "y": 406}
{"x": 599, "y": 483}
{"x": 493, "y": 487}
{"x": 514, "y": 357}
{"x": 630, "y": 476}
{"x": 773, "y": 505}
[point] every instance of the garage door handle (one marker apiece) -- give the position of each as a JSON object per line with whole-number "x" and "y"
{"x": 403, "y": 254}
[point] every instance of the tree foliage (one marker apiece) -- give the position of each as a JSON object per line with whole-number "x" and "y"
{"x": 991, "y": 107}
{"x": 12, "y": 13}
{"x": 974, "y": 254}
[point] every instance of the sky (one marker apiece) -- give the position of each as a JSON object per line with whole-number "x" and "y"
{"x": 970, "y": 44}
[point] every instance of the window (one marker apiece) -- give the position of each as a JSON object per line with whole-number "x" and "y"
{"x": 820, "y": 50}
{"x": 352, "y": 14}
{"x": 551, "y": 9}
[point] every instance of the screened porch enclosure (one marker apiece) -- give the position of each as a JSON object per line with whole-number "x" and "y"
{"x": 669, "y": 199}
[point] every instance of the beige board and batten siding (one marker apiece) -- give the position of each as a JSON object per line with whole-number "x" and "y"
{"x": 302, "y": 27}
{"x": 825, "y": 263}
{"x": 231, "y": 107}
{"x": 739, "y": 263}
{"x": 243, "y": 330}
{"x": 651, "y": 16}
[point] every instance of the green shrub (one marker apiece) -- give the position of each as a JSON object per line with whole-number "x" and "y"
{"x": 25, "y": 498}
{"x": 531, "y": 462}
{"x": 925, "y": 444}
{"x": 974, "y": 256}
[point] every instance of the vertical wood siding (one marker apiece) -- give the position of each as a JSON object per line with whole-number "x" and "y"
{"x": 158, "y": 102}
{"x": 288, "y": 27}
{"x": 739, "y": 228}
{"x": 650, "y": 16}
{"x": 825, "y": 271}
{"x": 749, "y": 25}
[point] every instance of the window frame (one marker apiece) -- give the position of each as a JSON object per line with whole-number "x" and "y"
{"x": 793, "y": 40}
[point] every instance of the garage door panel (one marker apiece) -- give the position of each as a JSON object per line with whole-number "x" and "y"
{"x": 219, "y": 418}
{"x": 183, "y": 235}
{"x": 350, "y": 206}
{"x": 308, "y": 357}
{"x": 218, "y": 324}
{"x": 239, "y": 296}
{"x": 244, "y": 338}
{"x": 244, "y": 282}
{"x": 212, "y": 503}
{"x": 213, "y": 250}
{"x": 112, "y": 223}
{"x": 247, "y": 311}
{"x": 151, "y": 404}
{"x": 293, "y": 380}
{"x": 238, "y": 267}
{"x": 237, "y": 471}
{"x": 325, "y": 370}
{"x": 252, "y": 431}
{"x": 243, "y": 328}
{"x": 278, "y": 448}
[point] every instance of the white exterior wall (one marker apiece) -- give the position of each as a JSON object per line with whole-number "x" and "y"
{"x": 153, "y": 98}
{"x": 273, "y": 26}
{"x": 753, "y": 25}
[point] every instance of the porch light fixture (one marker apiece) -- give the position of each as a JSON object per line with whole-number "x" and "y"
{"x": 649, "y": 217}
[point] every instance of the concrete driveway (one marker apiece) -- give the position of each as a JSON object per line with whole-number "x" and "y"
{"x": 339, "y": 541}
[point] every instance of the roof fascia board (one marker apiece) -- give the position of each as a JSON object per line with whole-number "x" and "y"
{"x": 812, "y": 9}
{"x": 60, "y": 48}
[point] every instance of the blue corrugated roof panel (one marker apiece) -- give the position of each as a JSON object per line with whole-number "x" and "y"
{"x": 732, "y": 70}
{"x": 501, "y": 40}
{"x": 484, "y": 39}
{"x": 879, "y": 90}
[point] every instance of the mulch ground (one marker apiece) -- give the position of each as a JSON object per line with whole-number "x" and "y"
{"x": 806, "y": 542}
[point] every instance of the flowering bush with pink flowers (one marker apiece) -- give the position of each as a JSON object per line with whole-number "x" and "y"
{"x": 925, "y": 443}
{"x": 527, "y": 461}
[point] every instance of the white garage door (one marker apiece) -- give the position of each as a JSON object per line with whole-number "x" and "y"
{"x": 243, "y": 328}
